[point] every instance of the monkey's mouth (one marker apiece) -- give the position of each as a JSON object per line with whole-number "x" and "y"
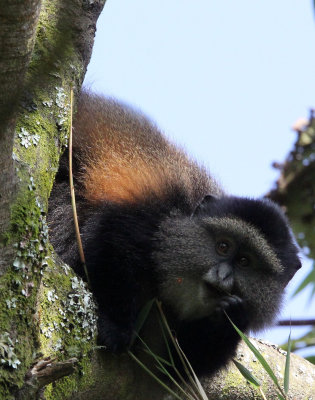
{"x": 215, "y": 291}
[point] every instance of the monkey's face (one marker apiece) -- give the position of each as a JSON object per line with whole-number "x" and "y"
{"x": 204, "y": 262}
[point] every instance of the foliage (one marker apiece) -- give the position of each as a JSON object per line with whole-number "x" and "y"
{"x": 189, "y": 386}
{"x": 295, "y": 191}
{"x": 281, "y": 392}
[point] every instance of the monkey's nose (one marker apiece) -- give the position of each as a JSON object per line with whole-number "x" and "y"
{"x": 220, "y": 277}
{"x": 224, "y": 271}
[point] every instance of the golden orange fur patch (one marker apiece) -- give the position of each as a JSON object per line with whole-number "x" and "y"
{"x": 124, "y": 158}
{"x": 122, "y": 185}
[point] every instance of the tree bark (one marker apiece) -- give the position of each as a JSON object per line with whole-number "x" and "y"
{"x": 230, "y": 384}
{"x": 45, "y": 47}
{"x": 17, "y": 37}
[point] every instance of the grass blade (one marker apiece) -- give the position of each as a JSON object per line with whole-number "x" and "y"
{"x": 159, "y": 358}
{"x": 247, "y": 374}
{"x": 172, "y": 363}
{"x": 141, "y": 318}
{"x": 185, "y": 363}
{"x": 176, "y": 346}
{"x": 161, "y": 368}
{"x": 287, "y": 367}
{"x": 258, "y": 355}
{"x": 169, "y": 390}
{"x": 166, "y": 343}
{"x": 197, "y": 383}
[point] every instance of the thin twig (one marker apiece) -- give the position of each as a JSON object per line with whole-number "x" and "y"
{"x": 74, "y": 208}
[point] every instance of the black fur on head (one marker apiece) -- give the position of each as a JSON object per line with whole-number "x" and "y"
{"x": 264, "y": 215}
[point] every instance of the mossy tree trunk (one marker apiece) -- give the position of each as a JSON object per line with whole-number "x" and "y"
{"x": 45, "y": 47}
{"x": 47, "y": 316}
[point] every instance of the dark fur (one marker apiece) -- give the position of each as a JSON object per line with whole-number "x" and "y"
{"x": 130, "y": 246}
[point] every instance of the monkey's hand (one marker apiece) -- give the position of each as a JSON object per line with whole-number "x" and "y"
{"x": 228, "y": 301}
{"x": 234, "y": 307}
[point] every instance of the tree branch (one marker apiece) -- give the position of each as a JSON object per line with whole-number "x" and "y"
{"x": 296, "y": 322}
{"x": 43, "y": 373}
{"x": 229, "y": 384}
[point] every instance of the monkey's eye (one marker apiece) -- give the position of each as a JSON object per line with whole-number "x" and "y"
{"x": 222, "y": 247}
{"x": 242, "y": 261}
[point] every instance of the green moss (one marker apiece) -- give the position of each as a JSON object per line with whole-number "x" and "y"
{"x": 18, "y": 289}
{"x": 17, "y": 306}
{"x": 67, "y": 327}
{"x": 232, "y": 381}
{"x": 51, "y": 312}
{"x": 38, "y": 141}
{"x": 29, "y": 312}
{"x": 13, "y": 348}
{"x": 5, "y": 393}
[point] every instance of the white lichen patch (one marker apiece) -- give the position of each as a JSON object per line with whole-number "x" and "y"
{"x": 58, "y": 345}
{"x": 27, "y": 139}
{"x": 47, "y": 331}
{"x": 81, "y": 305}
{"x": 7, "y": 355}
{"x": 63, "y": 105}
{"x": 51, "y": 296}
{"x": 69, "y": 316}
{"x": 11, "y": 303}
{"x": 32, "y": 186}
{"x": 48, "y": 103}
{"x": 61, "y": 97}
{"x": 32, "y": 251}
{"x": 66, "y": 268}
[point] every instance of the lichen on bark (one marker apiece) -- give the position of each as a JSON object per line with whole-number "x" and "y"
{"x": 30, "y": 324}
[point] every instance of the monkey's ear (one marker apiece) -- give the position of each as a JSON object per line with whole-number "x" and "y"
{"x": 204, "y": 204}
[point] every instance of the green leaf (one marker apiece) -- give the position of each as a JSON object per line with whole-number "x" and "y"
{"x": 194, "y": 381}
{"x": 142, "y": 317}
{"x": 192, "y": 375}
{"x": 166, "y": 343}
{"x": 258, "y": 355}
{"x": 307, "y": 340}
{"x": 160, "y": 366}
{"x": 287, "y": 367}
{"x": 247, "y": 374}
{"x": 159, "y": 358}
{"x": 169, "y": 390}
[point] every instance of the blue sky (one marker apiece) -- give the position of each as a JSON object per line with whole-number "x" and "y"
{"x": 226, "y": 80}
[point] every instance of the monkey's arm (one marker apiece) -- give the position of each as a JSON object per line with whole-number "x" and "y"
{"x": 117, "y": 243}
